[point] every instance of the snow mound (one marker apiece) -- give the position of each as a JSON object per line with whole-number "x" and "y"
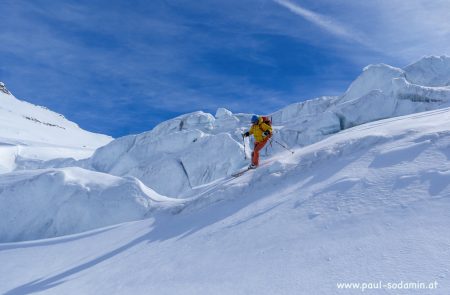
{"x": 39, "y": 204}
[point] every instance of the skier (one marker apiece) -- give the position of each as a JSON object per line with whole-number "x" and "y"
{"x": 262, "y": 131}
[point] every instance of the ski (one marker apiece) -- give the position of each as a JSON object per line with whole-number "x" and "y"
{"x": 242, "y": 171}
{"x": 239, "y": 173}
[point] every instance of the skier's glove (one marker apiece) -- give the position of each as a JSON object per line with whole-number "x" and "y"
{"x": 266, "y": 133}
{"x": 246, "y": 134}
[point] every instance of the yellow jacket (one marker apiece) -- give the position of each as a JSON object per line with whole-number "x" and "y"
{"x": 258, "y": 129}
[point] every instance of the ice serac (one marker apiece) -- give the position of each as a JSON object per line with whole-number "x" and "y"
{"x": 372, "y": 106}
{"x": 198, "y": 148}
{"x": 431, "y": 71}
{"x": 302, "y": 123}
{"x": 210, "y": 160}
{"x": 36, "y": 204}
{"x": 302, "y": 110}
{"x": 374, "y": 77}
{"x": 176, "y": 155}
{"x": 382, "y": 91}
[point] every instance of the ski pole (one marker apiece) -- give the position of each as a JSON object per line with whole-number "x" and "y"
{"x": 243, "y": 141}
{"x": 284, "y": 146}
{"x": 267, "y": 146}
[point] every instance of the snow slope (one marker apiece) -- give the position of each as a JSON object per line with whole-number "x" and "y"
{"x": 34, "y": 132}
{"x": 367, "y": 204}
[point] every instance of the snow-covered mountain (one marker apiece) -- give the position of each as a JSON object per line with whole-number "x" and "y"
{"x": 34, "y": 132}
{"x": 365, "y": 198}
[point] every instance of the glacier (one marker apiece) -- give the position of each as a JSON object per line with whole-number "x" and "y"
{"x": 380, "y": 92}
{"x": 364, "y": 197}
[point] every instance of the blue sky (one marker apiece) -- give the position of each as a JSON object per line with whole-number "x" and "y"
{"x": 121, "y": 67}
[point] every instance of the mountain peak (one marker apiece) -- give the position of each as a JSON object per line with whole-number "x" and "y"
{"x": 4, "y": 89}
{"x": 25, "y": 122}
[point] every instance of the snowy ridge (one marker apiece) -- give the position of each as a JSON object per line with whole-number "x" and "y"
{"x": 27, "y": 122}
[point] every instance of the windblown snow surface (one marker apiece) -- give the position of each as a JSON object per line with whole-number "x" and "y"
{"x": 364, "y": 199}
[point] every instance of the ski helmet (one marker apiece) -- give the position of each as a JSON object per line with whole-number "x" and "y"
{"x": 255, "y": 119}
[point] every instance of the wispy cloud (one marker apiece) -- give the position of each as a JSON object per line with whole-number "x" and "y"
{"x": 327, "y": 23}
{"x": 411, "y": 31}
{"x": 82, "y": 60}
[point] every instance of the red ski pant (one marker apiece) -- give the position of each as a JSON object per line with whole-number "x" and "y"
{"x": 257, "y": 148}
